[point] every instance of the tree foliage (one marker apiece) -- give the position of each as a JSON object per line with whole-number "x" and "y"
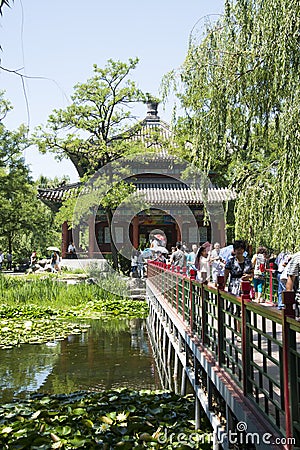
{"x": 94, "y": 132}
{"x": 25, "y": 223}
{"x": 91, "y": 130}
{"x": 240, "y": 90}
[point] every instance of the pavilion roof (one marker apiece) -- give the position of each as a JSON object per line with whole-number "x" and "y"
{"x": 153, "y": 193}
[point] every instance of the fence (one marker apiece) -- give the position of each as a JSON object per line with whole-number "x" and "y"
{"x": 258, "y": 346}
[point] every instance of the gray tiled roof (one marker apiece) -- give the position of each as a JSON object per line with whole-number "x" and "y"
{"x": 179, "y": 194}
{"x": 153, "y": 193}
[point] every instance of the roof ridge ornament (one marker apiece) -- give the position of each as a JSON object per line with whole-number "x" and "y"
{"x": 152, "y": 106}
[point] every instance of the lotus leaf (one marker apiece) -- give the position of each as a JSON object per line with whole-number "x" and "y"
{"x": 55, "y": 420}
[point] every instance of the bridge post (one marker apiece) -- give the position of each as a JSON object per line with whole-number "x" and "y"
{"x": 288, "y": 311}
{"x": 245, "y": 287}
{"x": 192, "y": 305}
{"x": 183, "y": 373}
{"x": 220, "y": 307}
{"x": 177, "y": 293}
{"x": 176, "y": 363}
{"x": 271, "y": 271}
{"x": 197, "y": 412}
{"x": 203, "y": 314}
{"x": 183, "y": 298}
{"x": 288, "y": 299}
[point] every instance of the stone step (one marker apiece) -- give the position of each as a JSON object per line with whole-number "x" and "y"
{"x": 138, "y": 297}
{"x": 137, "y": 291}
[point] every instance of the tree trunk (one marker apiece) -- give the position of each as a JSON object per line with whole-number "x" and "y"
{"x": 9, "y": 243}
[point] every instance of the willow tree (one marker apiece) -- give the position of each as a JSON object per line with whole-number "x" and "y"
{"x": 240, "y": 90}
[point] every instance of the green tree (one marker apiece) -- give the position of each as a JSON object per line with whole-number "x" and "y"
{"x": 91, "y": 131}
{"x": 240, "y": 90}
{"x": 94, "y": 130}
{"x": 25, "y": 223}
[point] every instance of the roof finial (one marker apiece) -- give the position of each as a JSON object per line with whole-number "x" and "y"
{"x": 152, "y": 104}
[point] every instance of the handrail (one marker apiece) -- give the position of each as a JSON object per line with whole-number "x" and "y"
{"x": 256, "y": 345}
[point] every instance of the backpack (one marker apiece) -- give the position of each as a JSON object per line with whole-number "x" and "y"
{"x": 260, "y": 265}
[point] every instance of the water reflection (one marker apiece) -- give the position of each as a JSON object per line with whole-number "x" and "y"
{"x": 114, "y": 353}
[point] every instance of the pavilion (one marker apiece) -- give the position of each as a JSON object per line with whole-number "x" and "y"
{"x": 175, "y": 204}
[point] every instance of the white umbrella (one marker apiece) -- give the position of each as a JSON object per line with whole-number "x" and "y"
{"x": 225, "y": 252}
{"x": 53, "y": 249}
{"x": 160, "y": 249}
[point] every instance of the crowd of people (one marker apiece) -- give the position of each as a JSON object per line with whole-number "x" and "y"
{"x": 234, "y": 263}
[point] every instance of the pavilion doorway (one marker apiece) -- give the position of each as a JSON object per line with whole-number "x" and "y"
{"x": 169, "y": 230}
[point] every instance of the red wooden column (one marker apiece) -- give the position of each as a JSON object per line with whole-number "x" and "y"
{"x": 135, "y": 232}
{"x": 64, "y": 239}
{"x": 91, "y": 236}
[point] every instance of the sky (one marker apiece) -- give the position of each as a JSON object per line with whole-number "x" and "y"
{"x": 60, "y": 41}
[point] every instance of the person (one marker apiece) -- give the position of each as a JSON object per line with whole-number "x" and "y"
{"x": 177, "y": 258}
{"x": 173, "y": 250}
{"x": 202, "y": 264}
{"x": 1, "y": 259}
{"x": 190, "y": 259}
{"x": 281, "y": 261}
{"x": 140, "y": 265}
{"x": 159, "y": 256}
{"x": 72, "y": 250}
{"x": 134, "y": 263}
{"x": 217, "y": 263}
{"x": 9, "y": 261}
{"x": 238, "y": 268}
{"x": 292, "y": 283}
{"x": 33, "y": 258}
{"x": 259, "y": 264}
{"x": 55, "y": 262}
{"x": 284, "y": 275}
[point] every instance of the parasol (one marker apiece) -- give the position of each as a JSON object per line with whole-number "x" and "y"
{"x": 53, "y": 249}
{"x": 160, "y": 249}
{"x": 225, "y": 252}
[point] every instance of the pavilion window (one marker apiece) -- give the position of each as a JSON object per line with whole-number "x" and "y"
{"x": 103, "y": 235}
{"x": 106, "y": 235}
{"x": 119, "y": 233}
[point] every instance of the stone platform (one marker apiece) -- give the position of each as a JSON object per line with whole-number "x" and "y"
{"x": 84, "y": 262}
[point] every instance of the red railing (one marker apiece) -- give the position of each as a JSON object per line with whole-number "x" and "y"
{"x": 258, "y": 346}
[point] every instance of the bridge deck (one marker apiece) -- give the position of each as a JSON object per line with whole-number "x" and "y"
{"x": 249, "y": 353}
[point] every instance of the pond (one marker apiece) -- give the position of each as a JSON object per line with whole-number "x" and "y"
{"x": 110, "y": 354}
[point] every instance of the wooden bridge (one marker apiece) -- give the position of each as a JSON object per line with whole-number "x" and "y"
{"x": 241, "y": 359}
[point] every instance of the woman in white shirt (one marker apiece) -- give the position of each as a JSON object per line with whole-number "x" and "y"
{"x": 202, "y": 265}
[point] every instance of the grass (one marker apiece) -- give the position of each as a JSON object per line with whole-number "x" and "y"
{"x": 49, "y": 292}
{"x": 31, "y": 308}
